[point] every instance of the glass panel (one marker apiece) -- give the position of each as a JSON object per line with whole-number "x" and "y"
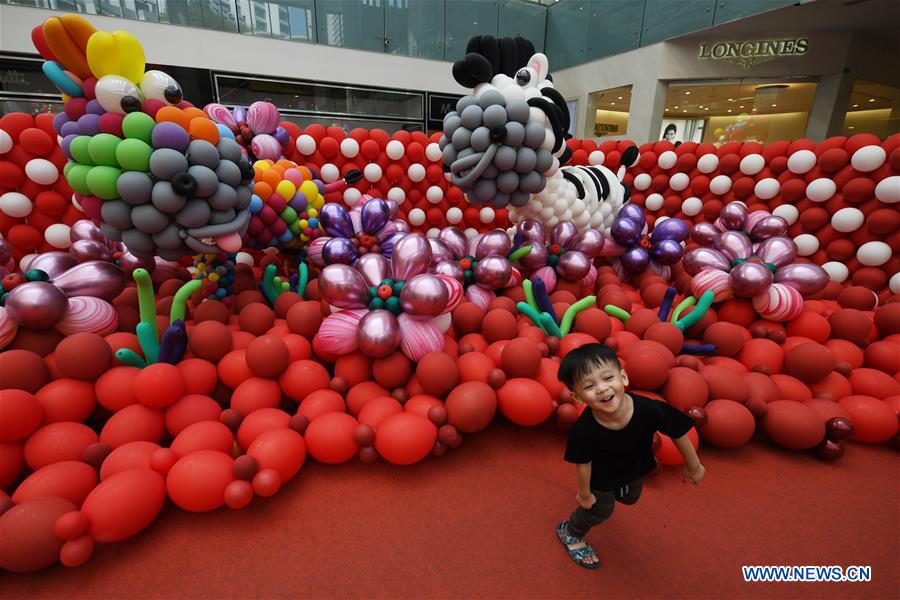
{"x": 183, "y": 12}
{"x": 742, "y": 110}
{"x": 610, "y": 112}
{"x": 67, "y": 5}
{"x": 572, "y": 106}
{"x": 385, "y": 104}
{"x": 88, "y": 7}
{"x": 32, "y": 107}
{"x": 22, "y": 76}
{"x": 141, "y": 10}
{"x": 29, "y": 3}
{"x": 603, "y": 40}
{"x": 211, "y": 14}
{"x": 464, "y": 19}
{"x": 731, "y": 10}
{"x": 349, "y": 124}
{"x": 287, "y": 95}
{"x": 295, "y": 19}
{"x": 228, "y": 10}
{"x": 567, "y": 29}
{"x": 415, "y": 28}
{"x": 525, "y": 19}
{"x": 664, "y": 19}
{"x": 110, "y": 8}
{"x": 873, "y": 108}
{"x": 351, "y": 24}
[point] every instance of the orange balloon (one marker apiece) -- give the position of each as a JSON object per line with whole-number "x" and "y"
{"x": 173, "y": 114}
{"x": 272, "y": 177}
{"x": 192, "y": 113}
{"x": 405, "y": 438}
{"x": 203, "y": 129}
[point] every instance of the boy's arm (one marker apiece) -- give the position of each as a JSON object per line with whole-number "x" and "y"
{"x": 693, "y": 469}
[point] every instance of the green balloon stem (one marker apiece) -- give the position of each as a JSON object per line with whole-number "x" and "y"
{"x": 550, "y": 325}
{"x": 706, "y": 300}
{"x": 268, "y": 284}
{"x": 522, "y": 251}
{"x": 682, "y": 306}
{"x": 532, "y": 314}
{"x": 127, "y": 357}
{"x": 585, "y": 303}
{"x": 149, "y": 341}
{"x": 181, "y": 297}
{"x": 529, "y": 295}
{"x": 304, "y": 279}
{"x": 618, "y": 313}
{"x": 146, "y": 299}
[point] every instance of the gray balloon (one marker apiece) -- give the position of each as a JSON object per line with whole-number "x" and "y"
{"x": 532, "y": 182}
{"x": 194, "y": 214}
{"x": 442, "y": 142}
{"x": 449, "y": 154}
{"x": 168, "y": 238}
{"x": 534, "y": 135}
{"x": 495, "y": 116}
{"x": 519, "y": 111}
{"x": 451, "y": 124}
{"x": 117, "y": 213}
{"x": 221, "y": 217}
{"x": 490, "y": 172}
{"x": 505, "y": 159}
{"x": 228, "y": 172}
{"x": 544, "y": 160}
{"x": 500, "y": 200}
{"x": 484, "y": 190}
{"x": 165, "y": 199}
{"x": 508, "y": 182}
{"x": 245, "y": 180}
{"x": 202, "y": 153}
{"x": 207, "y": 180}
{"x": 481, "y": 139}
{"x": 149, "y": 219}
{"x": 464, "y": 153}
{"x": 491, "y": 97}
{"x": 519, "y": 198}
{"x": 526, "y": 160}
{"x": 175, "y": 254}
{"x": 226, "y": 197}
{"x": 244, "y": 195}
{"x": 465, "y": 102}
{"x": 229, "y": 150}
{"x": 138, "y": 241}
{"x": 461, "y": 138}
{"x": 471, "y": 116}
{"x": 111, "y": 232}
{"x": 134, "y": 187}
{"x": 165, "y": 162}
{"x": 515, "y": 134}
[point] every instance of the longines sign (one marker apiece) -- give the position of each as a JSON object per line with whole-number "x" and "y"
{"x": 750, "y": 53}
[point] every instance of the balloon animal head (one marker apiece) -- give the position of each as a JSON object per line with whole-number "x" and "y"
{"x": 154, "y": 171}
{"x": 508, "y": 136}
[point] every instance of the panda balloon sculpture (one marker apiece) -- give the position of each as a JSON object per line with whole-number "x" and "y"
{"x": 505, "y": 142}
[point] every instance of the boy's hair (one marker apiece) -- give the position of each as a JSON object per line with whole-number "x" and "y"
{"x": 581, "y": 360}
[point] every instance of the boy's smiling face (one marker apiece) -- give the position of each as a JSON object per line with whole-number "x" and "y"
{"x": 602, "y": 389}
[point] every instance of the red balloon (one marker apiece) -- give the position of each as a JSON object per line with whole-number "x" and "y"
{"x": 471, "y": 406}
{"x": 361, "y": 394}
{"x": 191, "y": 409}
{"x": 72, "y": 480}
{"x": 525, "y": 402}
{"x": 256, "y": 393}
{"x": 574, "y": 340}
{"x": 871, "y": 382}
{"x": 762, "y": 352}
{"x": 405, "y": 438}
{"x": 198, "y": 480}
{"x": 355, "y": 367}
{"x": 280, "y": 449}
{"x": 238, "y": 494}
{"x": 83, "y": 356}
{"x": 329, "y": 438}
{"x": 20, "y": 414}
{"x": 67, "y": 400}
{"x": 159, "y": 385}
{"x": 520, "y": 358}
{"x": 115, "y": 388}
{"x": 266, "y": 483}
{"x": 422, "y": 405}
{"x": 205, "y": 435}
{"x": 873, "y": 420}
{"x": 685, "y": 388}
{"x": 210, "y": 340}
{"x": 437, "y": 373}
{"x": 728, "y": 424}
{"x": 392, "y": 371}
{"x": 319, "y": 403}
{"x": 260, "y": 421}
{"x": 127, "y": 456}
{"x": 668, "y": 453}
{"x": 302, "y": 378}
{"x": 499, "y": 324}
{"x": 27, "y": 540}
{"x": 378, "y": 409}
{"x": 809, "y": 361}
{"x": 124, "y": 504}
{"x": 791, "y": 388}
{"x": 267, "y": 356}
{"x": 133, "y": 423}
{"x": 793, "y": 425}
{"x": 58, "y": 442}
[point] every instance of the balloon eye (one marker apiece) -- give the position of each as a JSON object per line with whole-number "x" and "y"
{"x": 173, "y": 94}
{"x": 523, "y": 77}
{"x": 130, "y": 104}
{"x": 160, "y": 86}
{"x": 117, "y": 94}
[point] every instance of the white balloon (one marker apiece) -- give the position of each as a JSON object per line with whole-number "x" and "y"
{"x": 41, "y": 171}
{"x": 667, "y": 159}
{"x": 434, "y": 194}
{"x": 767, "y": 188}
{"x": 26, "y": 261}
{"x": 6, "y": 142}
{"x": 76, "y": 204}
{"x": 486, "y": 215}
{"x": 397, "y": 195}
{"x": 692, "y": 206}
{"x": 642, "y": 181}
{"x": 659, "y": 220}
{"x": 894, "y": 283}
{"x": 806, "y": 244}
{"x": 720, "y": 185}
{"x": 679, "y": 181}
{"x": 801, "y": 161}
{"x": 243, "y": 258}
{"x": 788, "y": 212}
{"x": 352, "y": 196}
{"x": 349, "y": 147}
{"x": 868, "y": 158}
{"x": 372, "y": 172}
{"x": 394, "y": 150}
{"x": 707, "y": 163}
{"x": 433, "y": 152}
{"x": 416, "y": 216}
{"x": 470, "y": 232}
{"x": 873, "y": 254}
{"x": 888, "y": 189}
{"x": 837, "y": 271}
{"x": 454, "y": 215}
{"x": 654, "y": 202}
{"x": 306, "y": 144}
{"x": 416, "y": 172}
{"x": 330, "y": 173}
{"x": 847, "y": 220}
{"x": 16, "y": 205}
{"x": 752, "y": 164}
{"x": 57, "y": 235}
{"x": 821, "y": 189}
{"x": 596, "y": 158}
{"x": 432, "y": 233}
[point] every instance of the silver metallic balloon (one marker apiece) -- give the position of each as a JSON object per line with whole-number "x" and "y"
{"x": 454, "y": 239}
{"x": 84, "y": 250}
{"x": 493, "y": 272}
{"x": 573, "y": 266}
{"x": 493, "y": 243}
{"x": 535, "y": 259}
{"x": 704, "y": 233}
{"x": 768, "y": 227}
{"x": 378, "y": 334}
{"x": 733, "y": 215}
{"x": 698, "y": 259}
{"x": 779, "y": 251}
{"x": 424, "y": 296}
{"x": 36, "y": 305}
{"x": 374, "y": 268}
{"x": 439, "y": 252}
{"x": 96, "y": 278}
{"x": 531, "y": 230}
{"x": 343, "y": 286}
{"x": 806, "y": 278}
{"x": 750, "y": 279}
{"x": 53, "y": 264}
{"x": 589, "y": 242}
{"x": 733, "y": 244}
{"x": 411, "y": 256}
{"x": 451, "y": 269}
{"x": 563, "y": 233}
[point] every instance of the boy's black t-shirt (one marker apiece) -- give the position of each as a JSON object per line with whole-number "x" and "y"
{"x": 621, "y": 456}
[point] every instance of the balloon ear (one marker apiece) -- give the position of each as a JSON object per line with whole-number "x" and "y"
{"x": 472, "y": 70}
{"x": 541, "y": 66}
{"x": 630, "y": 156}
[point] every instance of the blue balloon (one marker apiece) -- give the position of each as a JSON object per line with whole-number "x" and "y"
{"x": 224, "y": 131}
{"x": 256, "y": 204}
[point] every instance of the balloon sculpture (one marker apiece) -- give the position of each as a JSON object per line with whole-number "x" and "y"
{"x": 369, "y": 228}
{"x": 255, "y": 129}
{"x": 566, "y": 253}
{"x": 636, "y": 250}
{"x": 382, "y": 304}
{"x": 146, "y": 164}
{"x": 749, "y": 257}
{"x": 504, "y": 143}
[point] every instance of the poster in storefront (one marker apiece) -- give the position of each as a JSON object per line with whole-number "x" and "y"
{"x": 682, "y": 130}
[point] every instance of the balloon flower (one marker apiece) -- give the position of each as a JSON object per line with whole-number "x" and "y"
{"x": 215, "y": 272}
{"x": 540, "y": 309}
{"x": 380, "y": 304}
{"x": 636, "y": 250}
{"x": 565, "y": 253}
{"x": 152, "y": 169}
{"x": 481, "y": 265}
{"x": 367, "y": 229}
{"x": 255, "y": 129}
{"x": 749, "y": 257}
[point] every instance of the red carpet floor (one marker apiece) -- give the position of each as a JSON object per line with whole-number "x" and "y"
{"x": 479, "y": 523}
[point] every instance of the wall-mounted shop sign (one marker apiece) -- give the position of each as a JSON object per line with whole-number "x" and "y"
{"x": 438, "y": 106}
{"x": 750, "y": 53}
{"x": 601, "y": 129}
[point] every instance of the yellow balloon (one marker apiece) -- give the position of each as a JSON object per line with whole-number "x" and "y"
{"x": 262, "y": 165}
{"x": 312, "y": 212}
{"x": 117, "y": 53}
{"x": 286, "y": 189}
{"x": 309, "y": 189}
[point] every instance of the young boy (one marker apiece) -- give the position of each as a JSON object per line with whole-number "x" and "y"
{"x": 612, "y": 443}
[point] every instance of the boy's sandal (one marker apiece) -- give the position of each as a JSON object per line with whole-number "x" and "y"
{"x": 579, "y": 555}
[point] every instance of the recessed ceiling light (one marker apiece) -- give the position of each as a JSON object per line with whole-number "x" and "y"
{"x": 684, "y": 111}
{"x": 851, "y": 127}
{"x": 856, "y": 106}
{"x": 620, "y": 97}
{"x": 741, "y": 106}
{"x": 754, "y": 110}
{"x": 871, "y": 99}
{"x": 612, "y": 103}
{"x": 774, "y": 105}
{"x": 729, "y": 110}
{"x": 731, "y": 99}
{"x": 687, "y": 93}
